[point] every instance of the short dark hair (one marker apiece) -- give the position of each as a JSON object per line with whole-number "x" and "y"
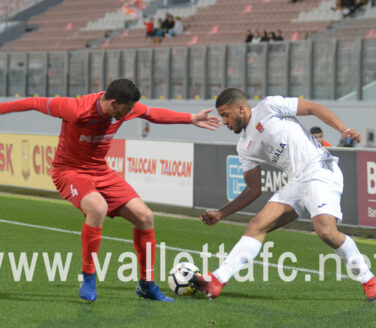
{"x": 124, "y": 91}
{"x": 229, "y": 96}
{"x": 315, "y": 130}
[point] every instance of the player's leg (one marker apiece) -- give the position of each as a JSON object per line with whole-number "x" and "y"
{"x": 123, "y": 201}
{"x": 326, "y": 228}
{"x": 273, "y": 216}
{"x": 322, "y": 198}
{"x": 80, "y": 190}
{"x": 283, "y": 220}
{"x": 345, "y": 247}
{"x": 144, "y": 241}
{"x": 270, "y": 217}
{"x": 94, "y": 207}
{"x": 142, "y": 218}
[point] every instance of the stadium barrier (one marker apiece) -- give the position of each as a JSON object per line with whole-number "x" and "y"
{"x": 218, "y": 179}
{"x": 332, "y": 69}
{"x": 359, "y": 115}
{"x": 187, "y": 174}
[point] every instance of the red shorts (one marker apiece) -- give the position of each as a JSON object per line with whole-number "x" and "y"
{"x": 73, "y": 185}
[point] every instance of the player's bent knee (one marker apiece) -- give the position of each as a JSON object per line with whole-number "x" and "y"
{"x": 94, "y": 206}
{"x": 147, "y": 219}
{"x": 327, "y": 235}
{"x": 100, "y": 210}
{"x": 144, "y": 220}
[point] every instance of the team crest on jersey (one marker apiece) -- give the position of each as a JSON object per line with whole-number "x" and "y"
{"x": 259, "y": 127}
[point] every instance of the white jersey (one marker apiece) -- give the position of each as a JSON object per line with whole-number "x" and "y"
{"x": 274, "y": 136}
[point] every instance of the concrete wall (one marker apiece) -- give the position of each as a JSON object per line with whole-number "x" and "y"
{"x": 358, "y": 115}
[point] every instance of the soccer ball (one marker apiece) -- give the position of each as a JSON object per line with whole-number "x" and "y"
{"x": 179, "y": 277}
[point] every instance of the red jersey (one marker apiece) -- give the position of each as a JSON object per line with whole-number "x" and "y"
{"x": 326, "y": 143}
{"x": 86, "y": 133}
{"x": 149, "y": 27}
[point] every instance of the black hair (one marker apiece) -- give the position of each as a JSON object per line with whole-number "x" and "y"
{"x": 315, "y": 130}
{"x": 229, "y": 96}
{"x": 124, "y": 91}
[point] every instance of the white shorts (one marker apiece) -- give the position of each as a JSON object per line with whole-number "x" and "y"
{"x": 320, "y": 193}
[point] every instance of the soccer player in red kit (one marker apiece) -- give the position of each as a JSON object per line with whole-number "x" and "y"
{"x": 81, "y": 175}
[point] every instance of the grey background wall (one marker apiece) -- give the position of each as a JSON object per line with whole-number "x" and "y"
{"x": 358, "y": 115}
{"x": 349, "y": 201}
{"x": 211, "y": 185}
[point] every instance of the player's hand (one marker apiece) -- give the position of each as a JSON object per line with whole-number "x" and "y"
{"x": 211, "y": 217}
{"x": 353, "y": 134}
{"x": 206, "y": 121}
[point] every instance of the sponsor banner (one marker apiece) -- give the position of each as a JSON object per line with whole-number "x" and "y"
{"x": 234, "y": 174}
{"x": 26, "y": 160}
{"x": 116, "y": 156}
{"x": 367, "y": 188}
{"x": 271, "y": 179}
{"x": 161, "y": 172}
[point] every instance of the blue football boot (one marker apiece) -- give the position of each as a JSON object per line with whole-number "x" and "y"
{"x": 148, "y": 289}
{"x": 88, "y": 288}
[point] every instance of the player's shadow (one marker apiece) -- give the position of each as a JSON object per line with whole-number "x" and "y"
{"x": 244, "y": 295}
{"x": 113, "y": 293}
{"x": 318, "y": 299}
{"x": 27, "y": 297}
{"x": 283, "y": 297}
{"x": 118, "y": 288}
{"x": 127, "y": 286}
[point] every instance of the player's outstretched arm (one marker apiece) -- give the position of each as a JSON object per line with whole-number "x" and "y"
{"x": 65, "y": 108}
{"x": 306, "y": 107}
{"x": 21, "y": 105}
{"x": 167, "y": 116}
{"x": 206, "y": 121}
{"x": 247, "y": 196}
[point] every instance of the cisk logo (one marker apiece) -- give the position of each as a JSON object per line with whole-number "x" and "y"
{"x": 25, "y": 150}
{"x": 371, "y": 178}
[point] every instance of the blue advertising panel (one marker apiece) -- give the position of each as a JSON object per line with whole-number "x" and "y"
{"x": 235, "y": 180}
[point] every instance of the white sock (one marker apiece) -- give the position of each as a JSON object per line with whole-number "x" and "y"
{"x": 245, "y": 250}
{"x": 349, "y": 251}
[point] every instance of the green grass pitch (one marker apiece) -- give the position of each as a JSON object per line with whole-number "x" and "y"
{"x": 258, "y": 303}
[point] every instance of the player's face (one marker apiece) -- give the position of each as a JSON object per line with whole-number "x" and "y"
{"x": 120, "y": 110}
{"x": 231, "y": 118}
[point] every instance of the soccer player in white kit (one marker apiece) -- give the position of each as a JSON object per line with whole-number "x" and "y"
{"x": 270, "y": 133}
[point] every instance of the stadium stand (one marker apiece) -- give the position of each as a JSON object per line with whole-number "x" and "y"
{"x": 214, "y": 23}
{"x": 9, "y": 8}
{"x": 80, "y": 24}
{"x": 362, "y": 26}
{"x": 60, "y": 27}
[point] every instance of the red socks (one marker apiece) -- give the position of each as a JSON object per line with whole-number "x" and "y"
{"x": 140, "y": 238}
{"x": 91, "y": 240}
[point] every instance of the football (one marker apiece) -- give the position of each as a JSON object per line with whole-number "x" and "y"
{"x": 179, "y": 277}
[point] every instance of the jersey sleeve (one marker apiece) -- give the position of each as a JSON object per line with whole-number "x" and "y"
{"x": 247, "y": 164}
{"x": 65, "y": 108}
{"x": 159, "y": 115}
{"x": 282, "y": 106}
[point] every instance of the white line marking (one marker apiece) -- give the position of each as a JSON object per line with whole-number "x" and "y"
{"x": 167, "y": 247}
{"x": 372, "y": 200}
